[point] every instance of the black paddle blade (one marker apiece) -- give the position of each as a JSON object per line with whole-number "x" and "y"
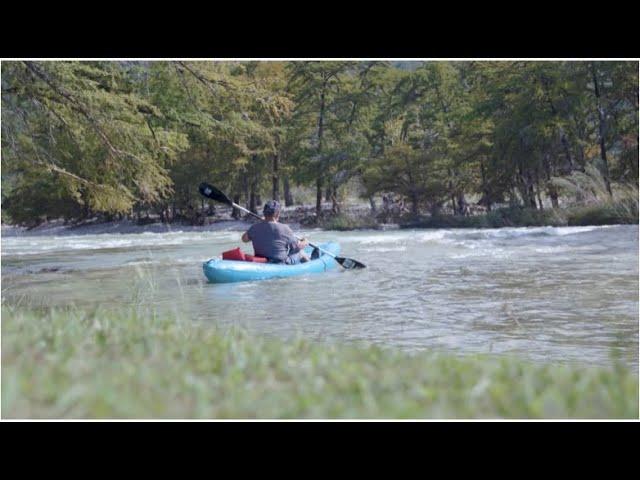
{"x": 350, "y": 263}
{"x": 213, "y": 193}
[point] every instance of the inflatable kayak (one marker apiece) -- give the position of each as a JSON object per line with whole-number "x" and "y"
{"x": 218, "y": 270}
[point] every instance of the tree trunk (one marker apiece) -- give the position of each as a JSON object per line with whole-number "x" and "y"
{"x": 563, "y": 137}
{"x": 85, "y": 209}
{"x": 581, "y": 136}
{"x": 461, "y": 204}
{"x": 485, "y": 189}
{"x": 320, "y": 166}
{"x": 335, "y": 205}
{"x": 532, "y": 196}
{"x": 567, "y": 150}
{"x": 245, "y": 190}
{"x": 551, "y": 189}
{"x": 602, "y": 128}
{"x": 372, "y": 202}
{"x": 540, "y": 206}
{"x": 553, "y": 194}
{"x": 235, "y": 213}
{"x": 276, "y": 178}
{"x": 537, "y": 187}
{"x": 288, "y": 199}
{"x": 414, "y": 203}
{"x": 252, "y": 200}
{"x": 452, "y": 193}
{"x": 253, "y": 194}
{"x": 526, "y": 188}
{"x": 319, "y": 196}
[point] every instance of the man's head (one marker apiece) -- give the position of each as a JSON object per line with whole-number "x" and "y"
{"x": 271, "y": 210}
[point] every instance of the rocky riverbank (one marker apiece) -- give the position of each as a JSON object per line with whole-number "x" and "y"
{"x": 354, "y": 217}
{"x": 301, "y": 216}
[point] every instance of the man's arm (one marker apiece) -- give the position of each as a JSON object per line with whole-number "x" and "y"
{"x": 294, "y": 244}
{"x": 245, "y": 237}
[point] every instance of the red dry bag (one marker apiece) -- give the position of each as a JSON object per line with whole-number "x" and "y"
{"x": 235, "y": 254}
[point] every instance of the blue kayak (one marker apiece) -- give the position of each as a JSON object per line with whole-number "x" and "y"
{"x": 226, "y": 271}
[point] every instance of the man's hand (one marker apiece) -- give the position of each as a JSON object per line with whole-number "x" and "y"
{"x": 245, "y": 237}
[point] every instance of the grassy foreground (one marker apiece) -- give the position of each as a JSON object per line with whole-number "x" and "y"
{"x": 76, "y": 364}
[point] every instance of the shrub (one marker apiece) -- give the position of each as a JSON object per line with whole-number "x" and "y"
{"x": 345, "y": 222}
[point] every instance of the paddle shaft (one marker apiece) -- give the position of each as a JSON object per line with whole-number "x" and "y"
{"x": 260, "y": 218}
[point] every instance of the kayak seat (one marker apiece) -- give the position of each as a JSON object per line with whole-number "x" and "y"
{"x": 254, "y": 258}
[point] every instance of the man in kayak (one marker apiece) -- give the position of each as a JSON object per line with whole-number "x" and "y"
{"x": 275, "y": 240}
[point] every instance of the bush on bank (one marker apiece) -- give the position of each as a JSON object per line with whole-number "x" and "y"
{"x": 613, "y": 213}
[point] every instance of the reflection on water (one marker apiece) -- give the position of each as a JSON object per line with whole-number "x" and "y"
{"x": 560, "y": 294}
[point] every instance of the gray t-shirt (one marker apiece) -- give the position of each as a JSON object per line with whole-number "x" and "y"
{"x": 273, "y": 240}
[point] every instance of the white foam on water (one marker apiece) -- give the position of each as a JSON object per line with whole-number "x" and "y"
{"x": 385, "y": 249}
{"x": 568, "y": 249}
{"x": 375, "y": 238}
{"x": 572, "y": 230}
{"x": 432, "y": 236}
{"x": 396, "y": 241}
{"x": 514, "y": 232}
{"x": 466, "y": 237}
{"x": 36, "y": 245}
{"x": 456, "y": 256}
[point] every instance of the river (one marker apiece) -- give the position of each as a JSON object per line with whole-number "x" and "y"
{"x": 566, "y": 294}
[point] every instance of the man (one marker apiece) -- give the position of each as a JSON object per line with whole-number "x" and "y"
{"x": 274, "y": 240}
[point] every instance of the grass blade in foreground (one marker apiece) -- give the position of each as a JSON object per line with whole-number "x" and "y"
{"x": 75, "y": 364}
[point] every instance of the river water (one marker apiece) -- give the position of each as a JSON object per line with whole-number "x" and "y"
{"x": 567, "y": 294}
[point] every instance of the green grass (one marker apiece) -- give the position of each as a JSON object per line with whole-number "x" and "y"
{"x": 79, "y": 364}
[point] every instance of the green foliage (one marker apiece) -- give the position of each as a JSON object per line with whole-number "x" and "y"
{"x": 592, "y": 204}
{"x": 86, "y": 138}
{"x": 623, "y": 211}
{"x": 81, "y": 123}
{"x": 79, "y": 364}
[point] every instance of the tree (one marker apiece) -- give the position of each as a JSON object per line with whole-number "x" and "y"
{"x": 316, "y": 87}
{"x": 80, "y": 127}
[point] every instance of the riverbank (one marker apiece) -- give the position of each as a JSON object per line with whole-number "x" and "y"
{"x": 579, "y": 216}
{"x": 359, "y": 217}
{"x": 81, "y": 364}
{"x": 59, "y": 228}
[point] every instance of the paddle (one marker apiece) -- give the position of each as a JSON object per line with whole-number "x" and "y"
{"x": 213, "y": 193}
